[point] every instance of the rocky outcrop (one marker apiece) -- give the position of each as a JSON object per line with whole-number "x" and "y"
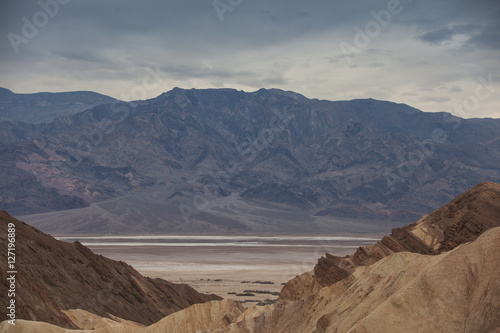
{"x": 213, "y": 316}
{"x": 53, "y": 276}
{"x": 408, "y": 282}
{"x": 461, "y": 220}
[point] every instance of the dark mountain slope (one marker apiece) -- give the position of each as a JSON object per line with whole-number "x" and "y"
{"x": 54, "y": 276}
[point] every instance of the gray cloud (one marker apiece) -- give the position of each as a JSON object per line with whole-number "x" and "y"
{"x": 438, "y": 36}
{"x": 289, "y": 44}
{"x": 488, "y": 38}
{"x": 476, "y": 36}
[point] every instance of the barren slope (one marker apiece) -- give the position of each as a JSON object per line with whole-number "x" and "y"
{"x": 54, "y": 276}
{"x": 457, "y": 291}
{"x": 381, "y": 288}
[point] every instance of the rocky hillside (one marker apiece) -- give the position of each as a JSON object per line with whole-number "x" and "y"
{"x": 53, "y": 276}
{"x": 461, "y": 220}
{"x": 357, "y": 159}
{"x": 210, "y": 315}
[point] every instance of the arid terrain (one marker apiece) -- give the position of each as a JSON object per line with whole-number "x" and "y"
{"x": 232, "y": 166}
{"x": 53, "y": 276}
{"x": 439, "y": 274}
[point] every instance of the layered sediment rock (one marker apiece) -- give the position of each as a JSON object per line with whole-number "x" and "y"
{"x": 461, "y": 220}
{"x": 456, "y": 291}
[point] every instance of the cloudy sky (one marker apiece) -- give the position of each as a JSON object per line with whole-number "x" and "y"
{"x": 436, "y": 55}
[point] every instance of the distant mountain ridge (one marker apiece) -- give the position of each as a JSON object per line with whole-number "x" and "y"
{"x": 45, "y": 107}
{"x": 356, "y": 159}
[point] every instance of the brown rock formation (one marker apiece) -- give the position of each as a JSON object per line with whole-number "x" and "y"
{"x": 53, "y": 276}
{"x": 461, "y": 220}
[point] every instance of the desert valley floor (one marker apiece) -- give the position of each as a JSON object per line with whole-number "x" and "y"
{"x": 231, "y": 266}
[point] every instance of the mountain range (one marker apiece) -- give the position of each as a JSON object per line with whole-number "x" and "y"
{"x": 194, "y": 159}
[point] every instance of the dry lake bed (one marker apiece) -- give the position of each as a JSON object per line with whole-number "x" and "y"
{"x": 249, "y": 268}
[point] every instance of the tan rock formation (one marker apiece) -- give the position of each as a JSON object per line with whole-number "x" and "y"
{"x": 460, "y": 221}
{"x": 210, "y": 315}
{"x": 457, "y": 291}
{"x": 89, "y": 321}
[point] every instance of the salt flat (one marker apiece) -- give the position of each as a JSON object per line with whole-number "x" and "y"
{"x": 225, "y": 265}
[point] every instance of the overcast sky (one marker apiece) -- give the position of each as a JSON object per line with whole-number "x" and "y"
{"x": 435, "y": 55}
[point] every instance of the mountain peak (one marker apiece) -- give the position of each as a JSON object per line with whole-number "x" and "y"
{"x": 279, "y": 92}
{"x": 359, "y": 159}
